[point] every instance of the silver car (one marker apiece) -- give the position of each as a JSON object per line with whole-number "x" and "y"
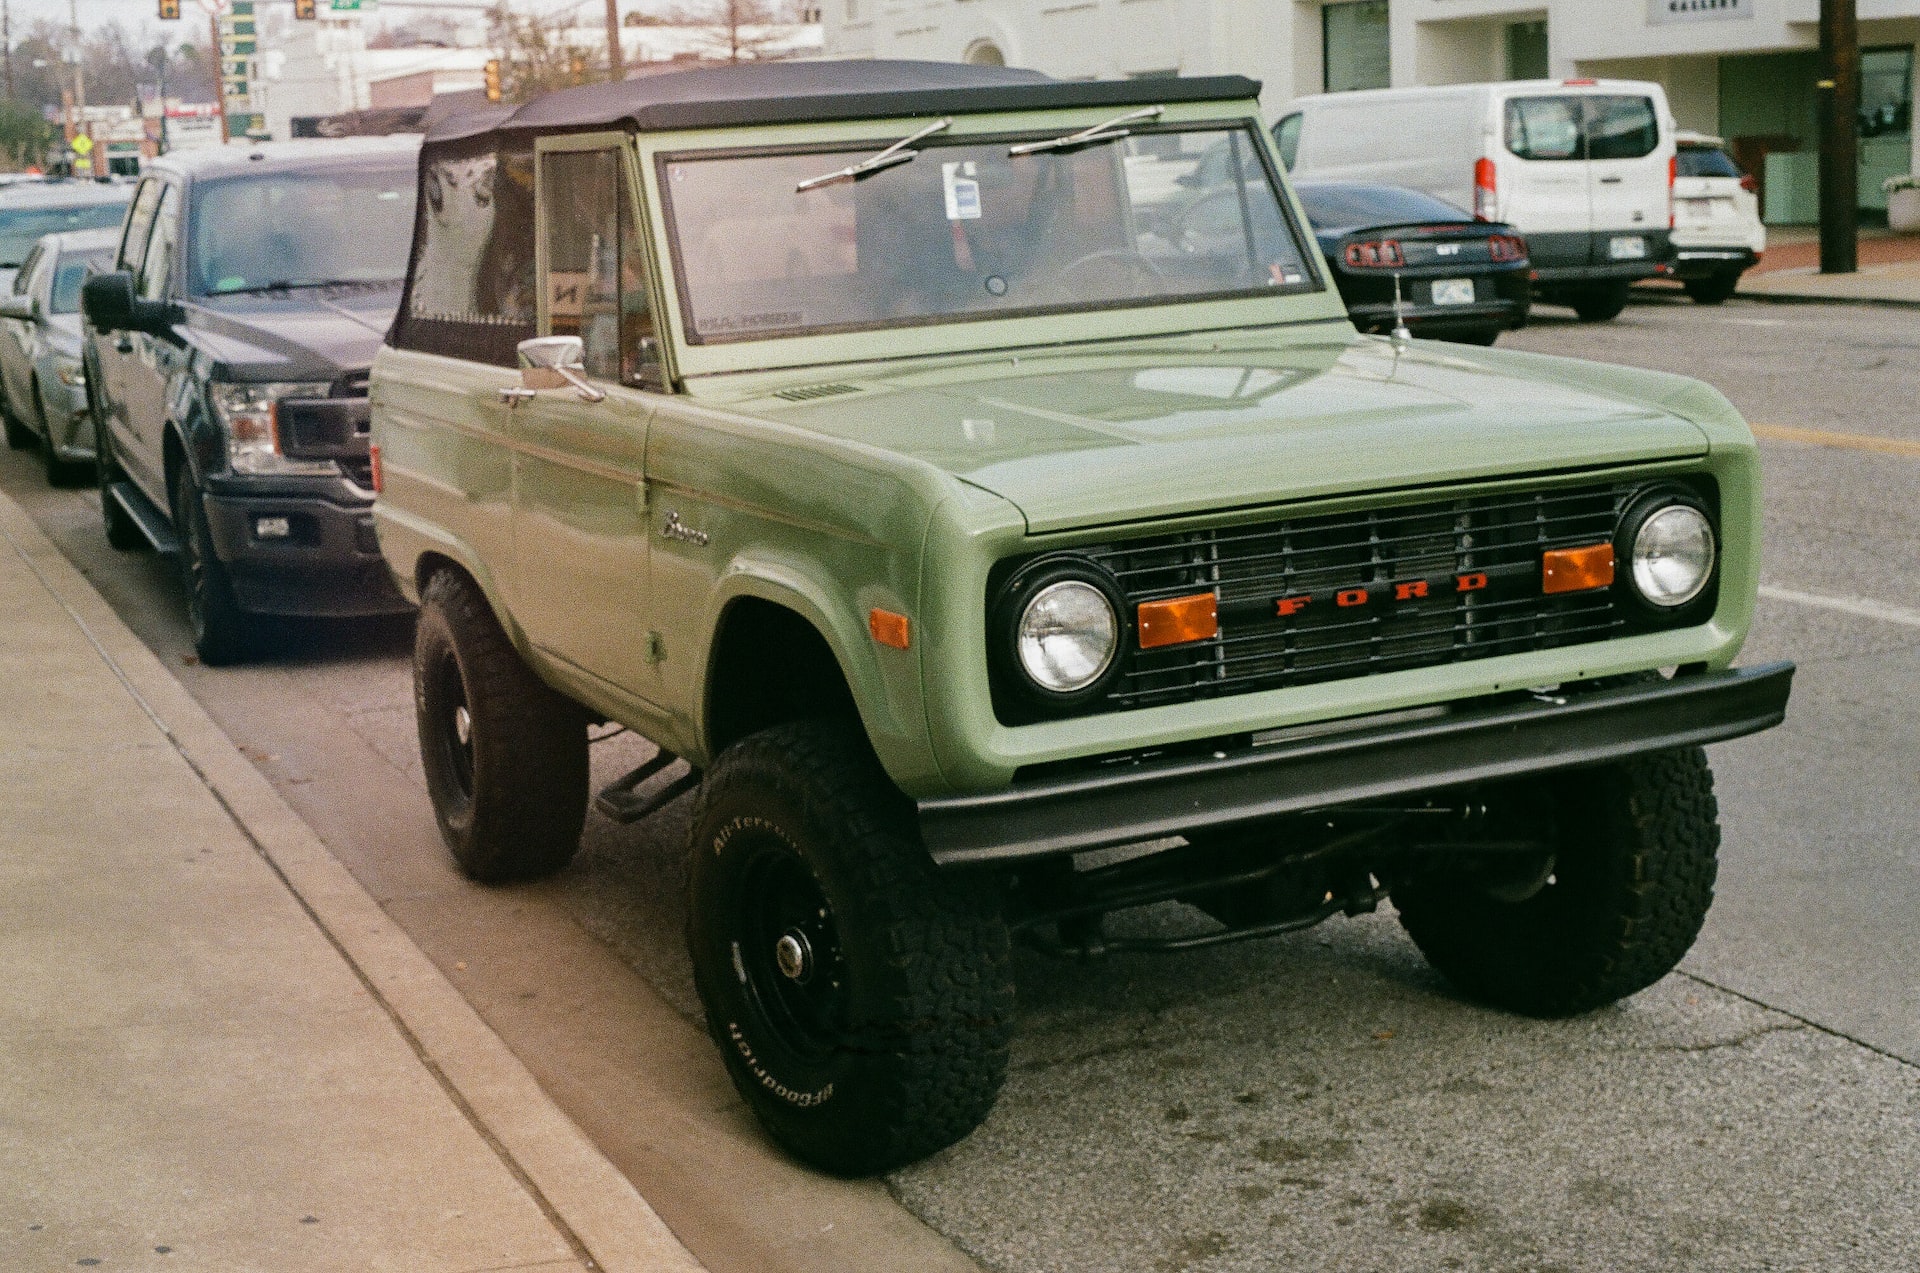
{"x": 43, "y": 389}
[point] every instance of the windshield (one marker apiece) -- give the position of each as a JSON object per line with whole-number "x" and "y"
{"x": 1357, "y": 206}
{"x": 968, "y": 231}
{"x": 20, "y": 227}
{"x": 301, "y": 229}
{"x": 74, "y": 269}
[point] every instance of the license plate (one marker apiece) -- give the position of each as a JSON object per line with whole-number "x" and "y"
{"x": 1453, "y": 291}
{"x": 1627, "y": 247}
{"x": 1699, "y": 207}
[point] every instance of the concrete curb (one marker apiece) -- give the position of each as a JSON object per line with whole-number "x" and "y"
{"x": 1795, "y": 298}
{"x": 583, "y": 1194}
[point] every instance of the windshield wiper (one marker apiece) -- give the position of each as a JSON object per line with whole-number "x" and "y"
{"x": 288, "y": 285}
{"x": 1109, "y": 131}
{"x": 894, "y": 154}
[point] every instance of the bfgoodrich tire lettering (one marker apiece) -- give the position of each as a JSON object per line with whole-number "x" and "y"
{"x": 1635, "y": 854}
{"x": 862, "y": 1000}
{"x": 505, "y": 755}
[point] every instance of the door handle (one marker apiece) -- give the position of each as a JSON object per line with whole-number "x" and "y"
{"x": 1611, "y": 181}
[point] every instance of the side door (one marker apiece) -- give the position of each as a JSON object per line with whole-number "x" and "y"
{"x": 581, "y": 503}
{"x": 1629, "y": 149}
{"x": 16, "y": 345}
{"x": 114, "y": 351}
{"x": 1543, "y": 177}
{"x": 147, "y": 373}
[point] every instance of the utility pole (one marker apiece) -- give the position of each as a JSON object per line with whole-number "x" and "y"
{"x": 616, "y": 60}
{"x": 6, "y": 36}
{"x": 1839, "y": 117}
{"x": 219, "y": 59}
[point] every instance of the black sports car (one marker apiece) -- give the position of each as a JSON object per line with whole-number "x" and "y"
{"x": 1459, "y": 279}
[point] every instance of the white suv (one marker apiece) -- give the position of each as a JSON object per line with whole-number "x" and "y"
{"x": 1717, "y": 233}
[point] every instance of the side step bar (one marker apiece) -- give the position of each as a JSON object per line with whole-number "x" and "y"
{"x": 622, "y": 802}
{"x": 152, "y": 523}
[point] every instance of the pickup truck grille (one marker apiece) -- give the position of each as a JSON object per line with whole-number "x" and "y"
{"x": 1385, "y": 590}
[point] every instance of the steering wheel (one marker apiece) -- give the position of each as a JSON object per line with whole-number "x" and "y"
{"x": 1109, "y": 274}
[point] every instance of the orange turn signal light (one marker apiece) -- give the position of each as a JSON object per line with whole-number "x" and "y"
{"x": 889, "y": 628}
{"x": 1178, "y": 620}
{"x": 1577, "y": 569}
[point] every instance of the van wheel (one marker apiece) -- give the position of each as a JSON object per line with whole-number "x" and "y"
{"x": 1634, "y": 850}
{"x": 222, "y": 631}
{"x": 1598, "y": 302}
{"x": 505, "y": 755}
{"x": 862, "y": 999}
{"x": 1714, "y": 289}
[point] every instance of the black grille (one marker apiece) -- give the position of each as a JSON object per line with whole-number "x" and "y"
{"x": 1379, "y": 591}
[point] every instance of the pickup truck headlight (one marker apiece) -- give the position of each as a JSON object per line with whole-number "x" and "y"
{"x": 246, "y": 412}
{"x": 1671, "y": 547}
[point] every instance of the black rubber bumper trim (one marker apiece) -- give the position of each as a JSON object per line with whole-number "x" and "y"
{"x": 1468, "y": 744}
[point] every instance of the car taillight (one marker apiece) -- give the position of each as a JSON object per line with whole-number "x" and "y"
{"x": 1485, "y": 191}
{"x": 1507, "y": 247}
{"x": 378, "y": 475}
{"x": 1749, "y": 183}
{"x": 1375, "y": 254}
{"x": 1673, "y": 175}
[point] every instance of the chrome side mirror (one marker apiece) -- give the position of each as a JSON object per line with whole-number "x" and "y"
{"x": 557, "y": 362}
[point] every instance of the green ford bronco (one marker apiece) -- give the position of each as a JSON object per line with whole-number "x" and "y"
{"x": 975, "y": 488}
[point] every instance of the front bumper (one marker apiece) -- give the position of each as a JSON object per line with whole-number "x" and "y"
{"x": 1462, "y": 743}
{"x": 329, "y": 564}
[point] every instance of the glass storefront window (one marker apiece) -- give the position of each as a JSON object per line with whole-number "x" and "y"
{"x": 1886, "y": 92}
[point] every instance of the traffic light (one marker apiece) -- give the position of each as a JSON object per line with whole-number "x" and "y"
{"x": 493, "y": 78}
{"x": 169, "y": 10}
{"x": 304, "y": 10}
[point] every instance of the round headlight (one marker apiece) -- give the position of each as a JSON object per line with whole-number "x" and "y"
{"x": 1067, "y": 635}
{"x": 1672, "y": 555}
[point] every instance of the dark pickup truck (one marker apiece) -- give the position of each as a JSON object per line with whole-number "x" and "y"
{"x": 227, "y": 354}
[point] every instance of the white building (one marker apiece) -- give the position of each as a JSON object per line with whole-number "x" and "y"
{"x": 1741, "y": 69}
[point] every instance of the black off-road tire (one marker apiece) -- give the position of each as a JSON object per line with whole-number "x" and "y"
{"x": 122, "y": 532}
{"x": 505, "y": 754}
{"x": 1714, "y": 289}
{"x": 1599, "y": 302}
{"x": 223, "y": 633}
{"x": 890, "y": 1041}
{"x": 1636, "y": 846}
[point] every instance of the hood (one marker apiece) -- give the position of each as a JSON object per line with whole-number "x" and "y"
{"x": 62, "y": 334}
{"x": 1132, "y": 436}
{"x": 303, "y": 334}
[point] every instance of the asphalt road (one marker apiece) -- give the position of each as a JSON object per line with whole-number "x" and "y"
{"x": 1317, "y": 1100}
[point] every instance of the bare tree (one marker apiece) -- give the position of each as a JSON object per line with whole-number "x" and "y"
{"x": 536, "y": 55}
{"x": 740, "y": 27}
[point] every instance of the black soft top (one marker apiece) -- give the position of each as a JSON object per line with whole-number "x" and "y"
{"x": 808, "y": 92}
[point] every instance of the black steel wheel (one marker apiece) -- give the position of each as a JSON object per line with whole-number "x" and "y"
{"x": 505, "y": 754}
{"x": 1634, "y": 851}
{"x": 861, "y": 999}
{"x": 222, "y": 631}
{"x": 1599, "y": 302}
{"x": 1714, "y": 289}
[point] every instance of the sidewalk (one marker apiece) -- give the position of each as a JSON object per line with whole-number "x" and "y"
{"x": 216, "y": 1051}
{"x": 1889, "y": 269}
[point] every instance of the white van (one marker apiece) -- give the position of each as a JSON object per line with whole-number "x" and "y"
{"x": 1584, "y": 168}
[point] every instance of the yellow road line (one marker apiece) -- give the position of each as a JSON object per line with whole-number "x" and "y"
{"x": 1844, "y": 441}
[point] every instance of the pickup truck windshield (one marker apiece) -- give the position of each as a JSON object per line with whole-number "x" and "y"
{"x": 301, "y": 229}
{"x": 967, "y": 230}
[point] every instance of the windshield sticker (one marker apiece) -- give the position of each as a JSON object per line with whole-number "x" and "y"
{"x": 1284, "y": 277}
{"x": 963, "y": 192}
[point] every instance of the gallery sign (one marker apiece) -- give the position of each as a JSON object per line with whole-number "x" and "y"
{"x": 1661, "y": 12}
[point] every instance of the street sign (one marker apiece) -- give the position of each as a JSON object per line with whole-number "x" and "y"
{"x": 82, "y": 145}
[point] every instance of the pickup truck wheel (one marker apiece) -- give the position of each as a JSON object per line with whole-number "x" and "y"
{"x": 1635, "y": 852}
{"x": 862, "y": 1000}
{"x": 222, "y": 631}
{"x": 505, "y": 754}
{"x": 1599, "y": 302}
{"x": 59, "y": 472}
